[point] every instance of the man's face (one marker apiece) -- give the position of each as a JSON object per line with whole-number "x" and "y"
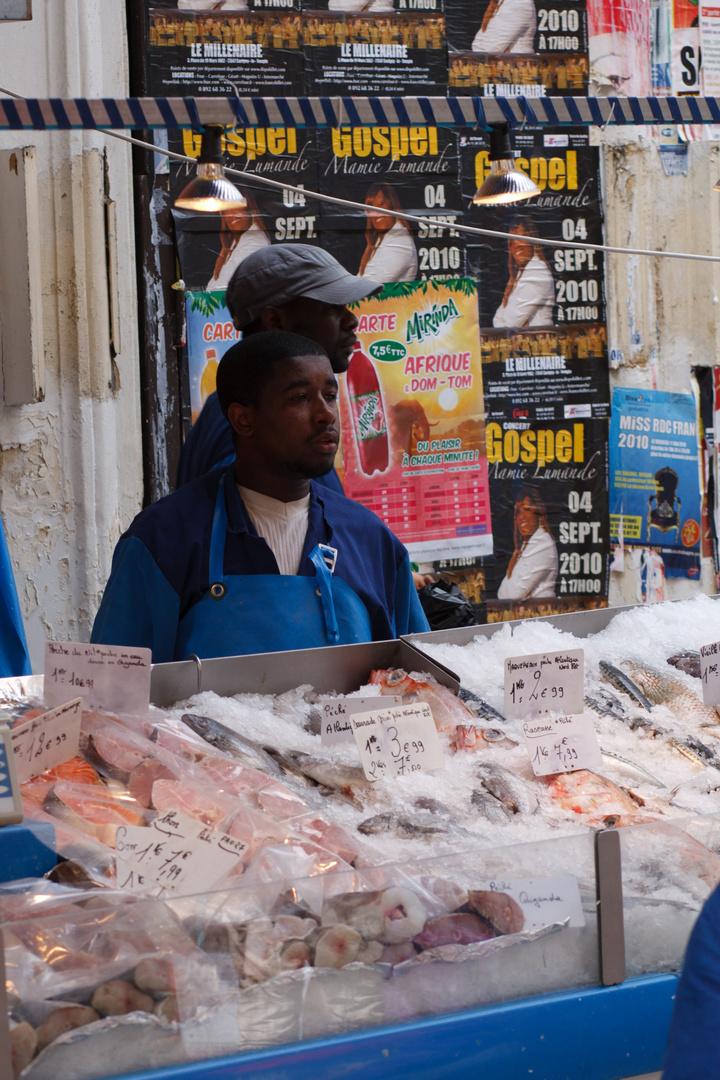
{"x": 295, "y": 424}
{"x": 330, "y": 325}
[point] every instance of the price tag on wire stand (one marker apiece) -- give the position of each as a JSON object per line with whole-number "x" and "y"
{"x": 398, "y": 741}
{"x": 558, "y": 744}
{"x": 112, "y": 677}
{"x": 710, "y": 673}
{"x": 544, "y": 681}
{"x": 47, "y": 740}
{"x": 335, "y": 715}
{"x": 174, "y": 855}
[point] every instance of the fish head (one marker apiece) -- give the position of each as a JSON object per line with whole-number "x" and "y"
{"x": 394, "y": 681}
{"x": 201, "y": 725}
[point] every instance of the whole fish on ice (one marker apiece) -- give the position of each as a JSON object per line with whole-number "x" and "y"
{"x": 448, "y": 711}
{"x": 622, "y": 681}
{"x": 229, "y": 742}
{"x": 666, "y": 690}
{"x": 596, "y": 798}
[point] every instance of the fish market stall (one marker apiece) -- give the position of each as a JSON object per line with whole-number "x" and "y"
{"x": 468, "y": 916}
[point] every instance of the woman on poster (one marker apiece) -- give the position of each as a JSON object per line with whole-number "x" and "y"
{"x": 241, "y": 233}
{"x": 529, "y": 296}
{"x": 390, "y": 253}
{"x": 533, "y": 568}
{"x": 508, "y": 26}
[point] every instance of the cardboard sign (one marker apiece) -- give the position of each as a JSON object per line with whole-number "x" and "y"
{"x": 398, "y": 741}
{"x": 710, "y": 673}
{"x": 544, "y": 900}
{"x": 557, "y": 744}
{"x": 112, "y": 677}
{"x": 541, "y": 682}
{"x": 336, "y": 712}
{"x": 47, "y": 740}
{"x": 176, "y": 855}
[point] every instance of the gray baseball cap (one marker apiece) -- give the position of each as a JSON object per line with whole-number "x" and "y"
{"x": 283, "y": 272}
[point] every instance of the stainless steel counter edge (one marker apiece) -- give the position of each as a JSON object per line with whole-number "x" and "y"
{"x": 579, "y": 623}
{"x": 336, "y": 669}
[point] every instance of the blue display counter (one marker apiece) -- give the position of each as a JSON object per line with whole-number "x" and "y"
{"x": 606, "y": 1033}
{"x": 26, "y": 850}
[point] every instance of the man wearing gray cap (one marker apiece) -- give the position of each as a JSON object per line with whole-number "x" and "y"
{"x": 291, "y": 287}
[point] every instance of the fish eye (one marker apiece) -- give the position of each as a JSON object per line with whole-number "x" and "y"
{"x": 493, "y": 734}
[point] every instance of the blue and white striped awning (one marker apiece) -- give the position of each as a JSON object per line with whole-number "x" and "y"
{"x": 39, "y": 114}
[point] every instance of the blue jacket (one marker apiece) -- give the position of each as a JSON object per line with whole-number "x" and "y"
{"x": 160, "y": 566}
{"x": 14, "y": 659}
{"x": 209, "y": 444}
{"x": 693, "y": 1050}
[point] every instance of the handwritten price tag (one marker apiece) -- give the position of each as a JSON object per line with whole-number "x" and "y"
{"x": 11, "y": 810}
{"x": 398, "y": 741}
{"x": 110, "y": 677}
{"x": 543, "y": 900}
{"x": 47, "y": 740}
{"x": 544, "y": 681}
{"x": 174, "y": 855}
{"x": 558, "y": 744}
{"x": 710, "y": 673}
{"x": 336, "y": 712}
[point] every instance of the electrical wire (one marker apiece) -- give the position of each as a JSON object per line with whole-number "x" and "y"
{"x": 454, "y": 226}
{"x": 472, "y": 230}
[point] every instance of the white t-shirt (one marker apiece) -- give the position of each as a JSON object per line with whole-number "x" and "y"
{"x": 253, "y": 239}
{"x": 535, "y": 572}
{"x": 282, "y": 525}
{"x": 395, "y": 257}
{"x": 511, "y": 29}
{"x": 532, "y": 300}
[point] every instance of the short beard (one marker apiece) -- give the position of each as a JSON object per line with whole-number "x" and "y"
{"x": 310, "y": 472}
{"x": 340, "y": 363}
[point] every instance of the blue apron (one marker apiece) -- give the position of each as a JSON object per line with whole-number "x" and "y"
{"x": 256, "y": 613}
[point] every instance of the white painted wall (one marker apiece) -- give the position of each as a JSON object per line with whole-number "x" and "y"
{"x": 663, "y": 315}
{"x": 70, "y": 465}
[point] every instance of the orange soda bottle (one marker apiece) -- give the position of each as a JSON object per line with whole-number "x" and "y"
{"x": 368, "y": 414}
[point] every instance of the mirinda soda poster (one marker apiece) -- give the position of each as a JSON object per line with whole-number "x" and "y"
{"x": 413, "y": 418}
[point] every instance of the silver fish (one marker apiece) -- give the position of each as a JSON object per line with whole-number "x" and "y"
{"x": 407, "y": 829}
{"x": 506, "y": 787}
{"x": 667, "y": 690}
{"x": 621, "y": 681}
{"x": 229, "y": 742}
{"x": 379, "y": 824}
{"x": 481, "y": 708}
{"x": 403, "y": 827}
{"x": 604, "y": 703}
{"x": 687, "y": 750}
{"x": 635, "y": 770}
{"x": 491, "y": 808}
{"x": 323, "y": 773}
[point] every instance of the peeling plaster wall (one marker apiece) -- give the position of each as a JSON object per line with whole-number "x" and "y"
{"x": 71, "y": 465}
{"x": 662, "y": 313}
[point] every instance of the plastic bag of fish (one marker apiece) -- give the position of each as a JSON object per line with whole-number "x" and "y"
{"x": 97, "y": 968}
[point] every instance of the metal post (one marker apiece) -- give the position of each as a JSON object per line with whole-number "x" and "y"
{"x": 611, "y": 931}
